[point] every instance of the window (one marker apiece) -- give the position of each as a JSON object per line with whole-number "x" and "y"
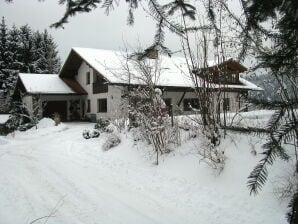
{"x": 190, "y": 103}
{"x": 88, "y": 106}
{"x": 87, "y": 78}
{"x": 102, "y": 105}
{"x": 83, "y": 108}
{"x": 234, "y": 78}
{"x": 226, "y": 104}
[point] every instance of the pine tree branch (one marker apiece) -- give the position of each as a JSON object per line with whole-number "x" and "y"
{"x": 258, "y": 176}
{"x": 73, "y": 7}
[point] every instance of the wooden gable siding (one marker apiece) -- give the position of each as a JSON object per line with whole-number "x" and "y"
{"x": 225, "y": 73}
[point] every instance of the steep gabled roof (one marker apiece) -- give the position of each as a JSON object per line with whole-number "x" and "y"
{"x": 110, "y": 65}
{"x": 74, "y": 85}
{"x": 46, "y": 84}
{"x": 229, "y": 66}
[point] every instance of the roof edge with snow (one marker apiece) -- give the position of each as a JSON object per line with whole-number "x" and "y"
{"x": 106, "y": 63}
{"x": 46, "y": 84}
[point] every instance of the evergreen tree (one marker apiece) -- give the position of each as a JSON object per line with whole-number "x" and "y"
{"x": 26, "y": 50}
{"x": 49, "y": 60}
{"x": 3, "y": 51}
{"x": 5, "y": 73}
{"x": 14, "y": 54}
{"x": 37, "y": 58}
{"x": 282, "y": 59}
{"x": 10, "y": 71}
{"x": 3, "y": 44}
{"x": 23, "y": 50}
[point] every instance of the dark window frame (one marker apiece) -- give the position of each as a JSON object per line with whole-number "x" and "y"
{"x": 194, "y": 102}
{"x": 102, "y": 105}
{"x": 88, "y": 81}
{"x": 88, "y": 106}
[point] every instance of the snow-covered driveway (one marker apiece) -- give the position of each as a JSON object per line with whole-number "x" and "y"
{"x": 55, "y": 172}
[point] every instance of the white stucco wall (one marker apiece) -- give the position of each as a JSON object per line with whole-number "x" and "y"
{"x": 234, "y": 100}
{"x": 114, "y": 93}
{"x": 81, "y": 79}
{"x": 176, "y": 96}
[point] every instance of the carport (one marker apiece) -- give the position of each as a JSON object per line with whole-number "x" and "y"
{"x": 51, "y": 107}
{"x": 53, "y": 94}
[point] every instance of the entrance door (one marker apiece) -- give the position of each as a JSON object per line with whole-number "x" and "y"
{"x": 55, "y": 106}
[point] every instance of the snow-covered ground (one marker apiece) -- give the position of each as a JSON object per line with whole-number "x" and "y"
{"x": 53, "y": 171}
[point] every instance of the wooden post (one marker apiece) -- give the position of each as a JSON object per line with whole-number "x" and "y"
{"x": 171, "y": 114}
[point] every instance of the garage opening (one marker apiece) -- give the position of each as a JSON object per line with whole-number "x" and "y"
{"x": 55, "y": 106}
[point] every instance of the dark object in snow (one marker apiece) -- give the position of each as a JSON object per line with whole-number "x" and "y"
{"x": 95, "y": 134}
{"x": 87, "y": 134}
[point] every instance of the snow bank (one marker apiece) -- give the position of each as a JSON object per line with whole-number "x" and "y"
{"x": 4, "y": 118}
{"x": 257, "y": 118}
{"x": 45, "y": 126}
{"x": 55, "y": 169}
{"x": 45, "y": 123}
{"x": 3, "y": 140}
{"x": 257, "y": 114}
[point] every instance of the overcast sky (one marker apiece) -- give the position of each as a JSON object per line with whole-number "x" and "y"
{"x": 94, "y": 29}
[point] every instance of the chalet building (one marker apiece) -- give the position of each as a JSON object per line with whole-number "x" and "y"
{"x": 92, "y": 83}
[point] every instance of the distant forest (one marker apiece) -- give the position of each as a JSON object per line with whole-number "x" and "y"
{"x": 271, "y": 87}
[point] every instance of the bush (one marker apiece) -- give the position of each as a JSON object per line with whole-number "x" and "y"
{"x": 87, "y": 134}
{"x": 95, "y": 134}
{"x": 110, "y": 128}
{"x": 102, "y": 124}
{"x": 112, "y": 141}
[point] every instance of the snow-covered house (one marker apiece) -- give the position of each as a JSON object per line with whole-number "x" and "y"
{"x": 92, "y": 83}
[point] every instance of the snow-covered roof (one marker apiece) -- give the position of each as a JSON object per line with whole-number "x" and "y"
{"x": 44, "y": 83}
{"x": 3, "y": 118}
{"x": 173, "y": 70}
{"x": 249, "y": 84}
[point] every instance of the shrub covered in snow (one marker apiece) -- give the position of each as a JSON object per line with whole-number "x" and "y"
{"x": 95, "y": 134}
{"x": 86, "y": 134}
{"x": 18, "y": 118}
{"x": 91, "y": 134}
{"x": 148, "y": 112}
{"x": 45, "y": 123}
{"x": 111, "y": 141}
{"x": 102, "y": 124}
{"x": 110, "y": 128}
{"x": 213, "y": 156}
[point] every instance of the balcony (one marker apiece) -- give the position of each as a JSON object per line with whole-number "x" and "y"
{"x": 100, "y": 88}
